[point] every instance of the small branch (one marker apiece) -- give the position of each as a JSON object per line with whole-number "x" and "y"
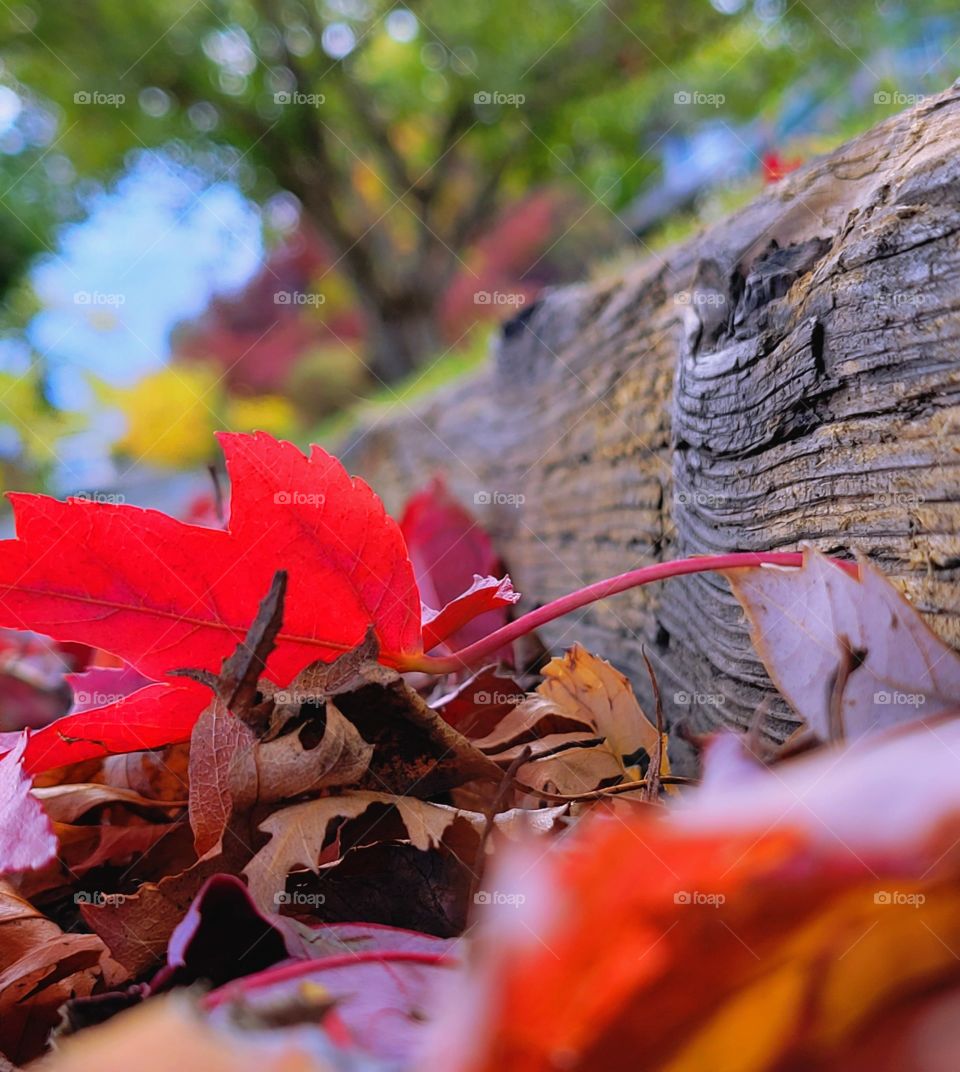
{"x": 491, "y": 811}
{"x": 601, "y": 794}
{"x": 240, "y": 674}
{"x": 656, "y": 759}
{"x": 219, "y": 499}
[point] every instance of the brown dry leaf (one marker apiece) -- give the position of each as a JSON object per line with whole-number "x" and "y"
{"x": 128, "y": 827}
{"x": 161, "y": 774}
{"x": 40, "y": 968}
{"x": 532, "y": 714}
{"x": 85, "y": 847}
{"x": 578, "y": 690}
{"x": 67, "y": 803}
{"x": 585, "y": 687}
{"x": 137, "y": 927}
{"x": 286, "y": 767}
{"x": 222, "y": 774}
{"x": 231, "y": 770}
{"x": 299, "y": 834}
{"x": 572, "y": 771}
{"x": 802, "y": 620}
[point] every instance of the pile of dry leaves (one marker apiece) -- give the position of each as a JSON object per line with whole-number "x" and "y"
{"x": 293, "y": 817}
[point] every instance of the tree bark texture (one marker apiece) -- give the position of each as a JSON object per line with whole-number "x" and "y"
{"x": 790, "y": 374}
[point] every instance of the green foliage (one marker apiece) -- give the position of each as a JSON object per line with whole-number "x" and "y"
{"x": 403, "y": 132}
{"x": 401, "y": 144}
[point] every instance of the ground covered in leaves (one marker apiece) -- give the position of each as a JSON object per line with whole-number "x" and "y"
{"x": 299, "y": 789}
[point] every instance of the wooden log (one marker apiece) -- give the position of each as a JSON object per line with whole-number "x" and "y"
{"x": 790, "y": 374}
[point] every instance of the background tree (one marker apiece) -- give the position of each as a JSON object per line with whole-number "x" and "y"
{"x": 402, "y": 130}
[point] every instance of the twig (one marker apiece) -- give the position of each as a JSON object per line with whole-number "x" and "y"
{"x": 493, "y": 809}
{"x": 219, "y": 501}
{"x": 237, "y": 683}
{"x": 600, "y": 794}
{"x": 652, "y": 790}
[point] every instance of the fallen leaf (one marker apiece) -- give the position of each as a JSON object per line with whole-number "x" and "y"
{"x": 583, "y": 726}
{"x": 85, "y": 847}
{"x": 221, "y": 937}
{"x": 153, "y": 716}
{"x": 779, "y": 922}
{"x": 169, "y": 1033}
{"x": 300, "y": 834}
{"x": 27, "y": 840}
{"x": 449, "y": 550}
{"x": 68, "y": 802}
{"x": 182, "y": 595}
{"x": 159, "y": 774}
{"x": 382, "y": 997}
{"x": 801, "y": 621}
{"x": 222, "y": 774}
{"x": 231, "y": 770}
{"x": 40, "y": 968}
{"x": 571, "y": 771}
{"x": 581, "y": 685}
{"x": 286, "y": 767}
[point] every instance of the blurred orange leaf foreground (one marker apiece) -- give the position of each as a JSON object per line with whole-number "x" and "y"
{"x": 805, "y": 916}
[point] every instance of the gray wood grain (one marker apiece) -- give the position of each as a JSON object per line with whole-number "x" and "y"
{"x": 792, "y": 373}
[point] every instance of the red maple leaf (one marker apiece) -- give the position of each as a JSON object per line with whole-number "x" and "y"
{"x": 453, "y": 559}
{"x": 161, "y": 594}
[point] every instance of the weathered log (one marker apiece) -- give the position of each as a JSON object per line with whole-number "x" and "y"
{"x": 790, "y": 374}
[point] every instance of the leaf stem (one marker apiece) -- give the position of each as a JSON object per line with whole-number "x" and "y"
{"x": 660, "y": 571}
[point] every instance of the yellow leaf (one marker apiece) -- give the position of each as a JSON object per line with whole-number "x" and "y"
{"x": 171, "y": 416}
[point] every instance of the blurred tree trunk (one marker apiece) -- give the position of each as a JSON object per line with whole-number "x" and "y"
{"x": 791, "y": 374}
{"x": 403, "y": 334}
